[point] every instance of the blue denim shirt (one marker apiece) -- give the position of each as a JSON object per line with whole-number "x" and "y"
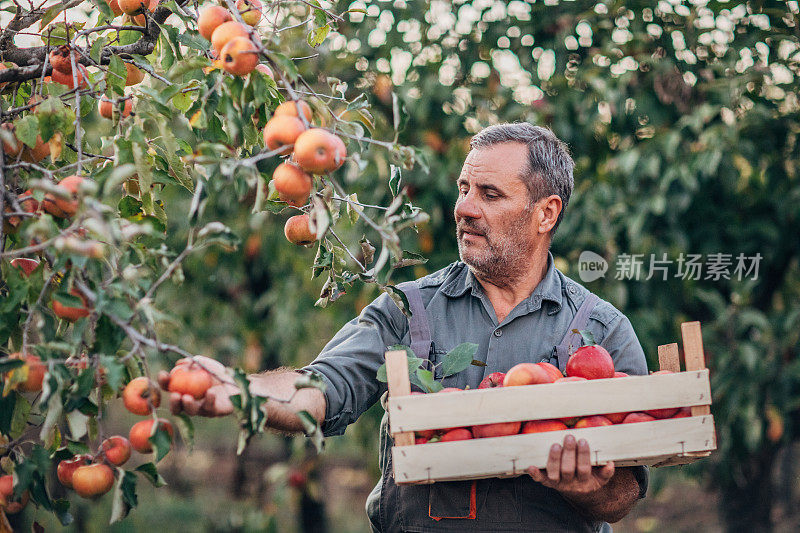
{"x": 458, "y": 311}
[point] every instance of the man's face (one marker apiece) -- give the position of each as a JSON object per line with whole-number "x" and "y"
{"x": 494, "y": 225}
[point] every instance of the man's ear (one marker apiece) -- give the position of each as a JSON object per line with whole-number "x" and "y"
{"x": 547, "y": 211}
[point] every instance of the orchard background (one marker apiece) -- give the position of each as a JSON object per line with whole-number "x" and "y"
{"x": 683, "y": 122}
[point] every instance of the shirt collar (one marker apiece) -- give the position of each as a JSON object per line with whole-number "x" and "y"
{"x": 547, "y": 289}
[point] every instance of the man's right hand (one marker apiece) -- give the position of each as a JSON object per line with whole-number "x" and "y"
{"x": 216, "y": 401}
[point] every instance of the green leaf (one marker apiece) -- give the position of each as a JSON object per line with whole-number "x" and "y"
{"x": 124, "y": 496}
{"x": 186, "y": 429}
{"x": 399, "y": 298}
{"x": 116, "y": 75}
{"x": 19, "y": 421}
{"x": 52, "y": 13}
{"x": 129, "y": 207}
{"x": 150, "y": 472}
{"x": 27, "y": 129}
{"x": 394, "y": 180}
{"x": 7, "y": 364}
{"x": 458, "y": 359}
{"x": 161, "y": 442}
{"x": 310, "y": 380}
{"x": 317, "y": 35}
{"x": 312, "y": 429}
{"x": 426, "y": 381}
{"x": 588, "y": 337}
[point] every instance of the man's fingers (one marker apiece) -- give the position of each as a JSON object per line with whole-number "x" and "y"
{"x": 605, "y": 473}
{"x": 537, "y": 475}
{"x": 568, "y": 459}
{"x": 190, "y": 405}
{"x": 584, "y": 464}
{"x": 554, "y": 463}
{"x": 163, "y": 380}
{"x": 175, "y": 405}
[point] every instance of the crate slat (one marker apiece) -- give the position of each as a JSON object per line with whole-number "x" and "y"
{"x": 669, "y": 357}
{"x": 643, "y": 442}
{"x": 399, "y": 386}
{"x": 694, "y": 356}
{"x": 557, "y": 400}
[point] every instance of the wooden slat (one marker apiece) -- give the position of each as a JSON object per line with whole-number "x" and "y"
{"x": 556, "y": 400}
{"x": 693, "y": 353}
{"x": 399, "y": 386}
{"x": 669, "y": 358}
{"x": 512, "y": 455}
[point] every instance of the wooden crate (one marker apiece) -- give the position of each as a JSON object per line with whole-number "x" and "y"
{"x": 657, "y": 443}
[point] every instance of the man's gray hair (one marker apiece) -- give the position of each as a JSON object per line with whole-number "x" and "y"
{"x": 549, "y": 163}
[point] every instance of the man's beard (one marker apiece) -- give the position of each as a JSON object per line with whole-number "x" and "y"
{"x": 503, "y": 258}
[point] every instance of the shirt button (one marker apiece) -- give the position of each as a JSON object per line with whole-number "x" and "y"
{"x": 498, "y": 332}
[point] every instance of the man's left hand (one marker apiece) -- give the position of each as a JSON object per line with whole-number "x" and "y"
{"x": 569, "y": 469}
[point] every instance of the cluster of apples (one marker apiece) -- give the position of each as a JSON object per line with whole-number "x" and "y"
{"x": 311, "y": 150}
{"x": 231, "y": 40}
{"x": 142, "y": 396}
{"x": 588, "y": 362}
{"x": 58, "y": 207}
{"x": 92, "y": 476}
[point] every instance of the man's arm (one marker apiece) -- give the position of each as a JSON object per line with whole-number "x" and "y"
{"x": 599, "y": 493}
{"x": 278, "y": 384}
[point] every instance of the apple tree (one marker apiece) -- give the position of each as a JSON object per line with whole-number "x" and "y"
{"x": 122, "y": 123}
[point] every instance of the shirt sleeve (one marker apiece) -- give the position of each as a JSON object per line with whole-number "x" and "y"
{"x": 349, "y": 363}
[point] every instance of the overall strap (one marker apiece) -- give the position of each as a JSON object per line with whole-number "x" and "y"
{"x": 418, "y": 327}
{"x": 579, "y": 322}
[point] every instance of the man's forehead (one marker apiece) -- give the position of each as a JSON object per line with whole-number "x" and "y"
{"x": 499, "y": 161}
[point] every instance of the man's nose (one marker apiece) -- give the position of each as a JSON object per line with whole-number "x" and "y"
{"x": 466, "y": 207}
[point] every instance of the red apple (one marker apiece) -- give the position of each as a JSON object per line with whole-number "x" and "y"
{"x": 539, "y": 426}
{"x": 591, "y": 362}
{"x": 67, "y": 467}
{"x": 684, "y": 412}
{"x": 500, "y": 429}
{"x": 495, "y": 379}
{"x": 551, "y": 369}
{"x": 117, "y": 449}
{"x": 25, "y": 265}
{"x": 616, "y": 418}
{"x": 637, "y": 417}
{"x": 456, "y": 434}
{"x": 526, "y": 374}
{"x": 570, "y": 378}
{"x": 620, "y": 375}
{"x": 593, "y": 421}
{"x": 420, "y": 440}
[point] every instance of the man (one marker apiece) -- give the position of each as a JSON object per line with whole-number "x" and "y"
{"x": 506, "y": 296}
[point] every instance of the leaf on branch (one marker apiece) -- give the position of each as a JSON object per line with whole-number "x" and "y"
{"x": 310, "y": 380}
{"x": 399, "y": 298}
{"x": 458, "y": 358}
{"x": 312, "y": 429}
{"x": 367, "y": 250}
{"x": 186, "y": 429}
{"x": 161, "y": 441}
{"x": 410, "y": 259}
{"x": 27, "y": 129}
{"x": 426, "y": 381}
{"x": 317, "y": 35}
{"x": 394, "y": 180}
{"x": 150, "y": 472}
{"x": 588, "y": 337}
{"x": 124, "y": 496}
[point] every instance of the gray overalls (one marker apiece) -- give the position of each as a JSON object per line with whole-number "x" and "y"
{"x": 496, "y": 505}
